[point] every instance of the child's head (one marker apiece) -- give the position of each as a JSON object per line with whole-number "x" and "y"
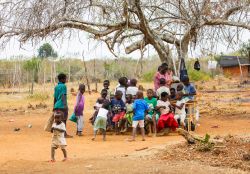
{"x": 106, "y": 84}
{"x": 100, "y": 100}
{"x": 62, "y": 78}
{"x": 129, "y": 98}
{"x": 179, "y": 95}
{"x": 58, "y": 116}
{"x": 185, "y": 81}
{"x": 164, "y": 96}
{"x": 164, "y": 68}
{"x": 162, "y": 82}
{"x": 123, "y": 81}
{"x": 133, "y": 82}
{"x": 118, "y": 95}
{"x": 172, "y": 91}
{"x": 179, "y": 87}
{"x": 139, "y": 95}
{"x": 105, "y": 105}
{"x": 104, "y": 93}
{"x": 150, "y": 93}
{"x": 82, "y": 88}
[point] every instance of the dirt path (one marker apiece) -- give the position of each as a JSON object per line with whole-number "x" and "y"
{"x": 28, "y": 150}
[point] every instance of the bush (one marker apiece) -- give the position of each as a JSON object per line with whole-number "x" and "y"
{"x": 148, "y": 76}
{"x": 198, "y": 75}
{"x": 38, "y": 96}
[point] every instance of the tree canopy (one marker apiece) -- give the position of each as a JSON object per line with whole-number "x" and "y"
{"x": 134, "y": 24}
{"x": 46, "y": 50}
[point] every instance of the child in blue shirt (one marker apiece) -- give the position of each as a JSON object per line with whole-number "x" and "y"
{"x": 189, "y": 89}
{"x": 140, "y": 107}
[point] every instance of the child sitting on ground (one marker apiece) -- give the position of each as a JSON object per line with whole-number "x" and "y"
{"x": 166, "y": 118}
{"x": 79, "y": 107}
{"x": 162, "y": 88}
{"x": 129, "y": 112}
{"x": 101, "y": 120}
{"x": 132, "y": 89}
{"x": 151, "y": 118}
{"x": 180, "y": 113}
{"x": 118, "y": 110}
{"x": 58, "y": 140}
{"x": 140, "y": 108}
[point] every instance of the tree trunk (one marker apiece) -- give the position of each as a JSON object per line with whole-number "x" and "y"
{"x": 33, "y": 79}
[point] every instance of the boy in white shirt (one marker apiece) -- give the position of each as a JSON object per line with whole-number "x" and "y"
{"x": 162, "y": 88}
{"x": 58, "y": 139}
{"x": 180, "y": 113}
{"x": 132, "y": 89}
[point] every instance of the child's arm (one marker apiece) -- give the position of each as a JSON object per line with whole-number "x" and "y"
{"x": 60, "y": 130}
{"x": 64, "y": 101}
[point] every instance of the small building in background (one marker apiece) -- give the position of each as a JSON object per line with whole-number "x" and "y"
{"x": 230, "y": 65}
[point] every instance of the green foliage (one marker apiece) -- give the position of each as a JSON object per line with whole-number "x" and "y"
{"x": 148, "y": 76}
{"x": 245, "y": 49}
{"x": 198, "y": 75}
{"x": 46, "y": 50}
{"x": 32, "y": 64}
{"x": 38, "y": 97}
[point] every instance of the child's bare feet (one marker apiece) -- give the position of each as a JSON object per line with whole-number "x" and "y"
{"x": 143, "y": 139}
{"x": 150, "y": 135}
{"x": 65, "y": 159}
{"x": 93, "y": 139}
{"x": 52, "y": 161}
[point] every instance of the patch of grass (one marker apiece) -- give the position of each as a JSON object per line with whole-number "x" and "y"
{"x": 149, "y": 76}
{"x": 199, "y": 75}
{"x": 38, "y": 96}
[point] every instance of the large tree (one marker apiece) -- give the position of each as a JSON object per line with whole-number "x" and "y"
{"x": 132, "y": 23}
{"x": 46, "y": 50}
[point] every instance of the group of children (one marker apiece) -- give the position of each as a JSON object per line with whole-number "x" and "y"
{"x": 126, "y": 107}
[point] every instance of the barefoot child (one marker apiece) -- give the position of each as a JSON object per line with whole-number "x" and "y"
{"x": 58, "y": 139}
{"x": 180, "y": 113}
{"x": 79, "y": 107}
{"x": 118, "y": 110}
{"x": 152, "y": 117}
{"x": 140, "y": 107}
{"x": 166, "y": 119}
{"x": 101, "y": 120}
{"x": 129, "y": 113}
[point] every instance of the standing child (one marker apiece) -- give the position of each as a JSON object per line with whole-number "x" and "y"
{"x": 162, "y": 88}
{"x": 118, "y": 110}
{"x": 79, "y": 107}
{"x": 189, "y": 89}
{"x": 132, "y": 89}
{"x": 106, "y": 85}
{"x": 166, "y": 118}
{"x": 180, "y": 113}
{"x": 101, "y": 120}
{"x": 58, "y": 140}
{"x": 129, "y": 112}
{"x": 140, "y": 108}
{"x": 60, "y": 99}
{"x": 98, "y": 104}
{"x": 152, "y": 117}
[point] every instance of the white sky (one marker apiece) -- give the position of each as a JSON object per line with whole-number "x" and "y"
{"x": 92, "y": 49}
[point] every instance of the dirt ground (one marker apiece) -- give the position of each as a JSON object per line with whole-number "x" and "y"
{"x": 28, "y": 150}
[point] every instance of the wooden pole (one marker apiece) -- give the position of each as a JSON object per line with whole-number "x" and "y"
{"x": 86, "y": 73}
{"x": 95, "y": 75}
{"x": 241, "y": 75}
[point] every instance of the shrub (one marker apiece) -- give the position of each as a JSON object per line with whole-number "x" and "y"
{"x": 148, "y": 76}
{"x": 198, "y": 75}
{"x": 38, "y": 96}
